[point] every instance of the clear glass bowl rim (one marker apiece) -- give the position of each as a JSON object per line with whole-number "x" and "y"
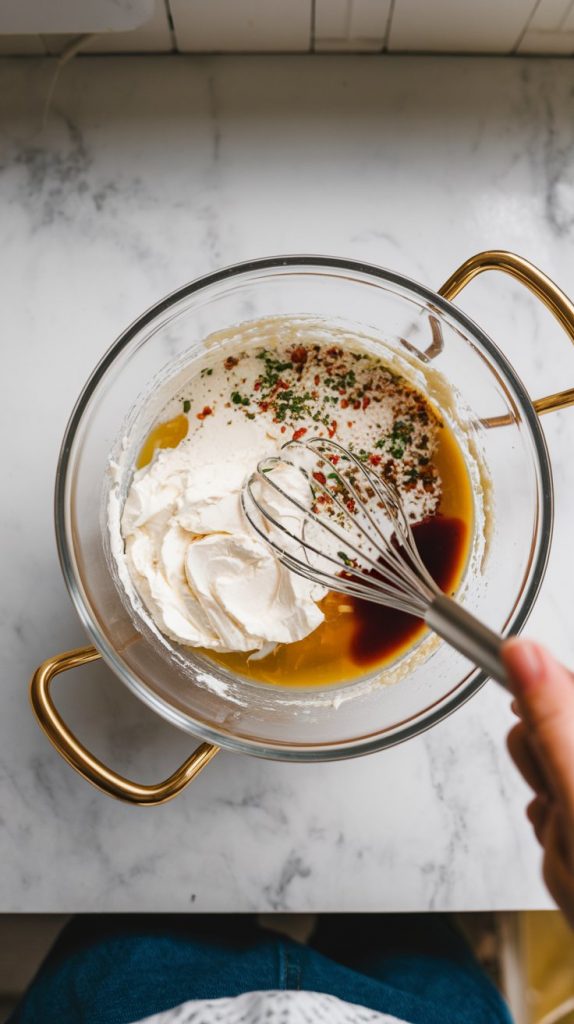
{"x": 292, "y": 263}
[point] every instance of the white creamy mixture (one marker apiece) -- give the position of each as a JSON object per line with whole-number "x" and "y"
{"x": 204, "y": 575}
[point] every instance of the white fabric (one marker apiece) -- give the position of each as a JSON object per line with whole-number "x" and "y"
{"x": 281, "y": 1007}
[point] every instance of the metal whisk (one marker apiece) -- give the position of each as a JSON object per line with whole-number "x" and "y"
{"x": 330, "y": 518}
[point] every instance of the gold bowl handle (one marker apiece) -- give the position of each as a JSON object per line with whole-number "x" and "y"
{"x": 86, "y": 764}
{"x": 538, "y": 283}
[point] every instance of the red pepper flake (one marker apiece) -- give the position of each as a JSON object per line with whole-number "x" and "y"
{"x": 282, "y": 384}
{"x": 264, "y": 406}
{"x": 230, "y": 362}
{"x": 356, "y": 404}
{"x": 342, "y": 391}
{"x": 334, "y": 459}
{"x": 299, "y": 355}
{"x": 320, "y": 477}
{"x": 375, "y": 460}
{"x": 366, "y": 402}
{"x": 283, "y": 429}
{"x": 350, "y": 423}
{"x": 206, "y": 411}
{"x": 350, "y": 503}
{"x": 344, "y": 403}
{"x": 332, "y": 430}
{"x": 316, "y": 379}
{"x": 257, "y": 385}
{"x": 299, "y": 433}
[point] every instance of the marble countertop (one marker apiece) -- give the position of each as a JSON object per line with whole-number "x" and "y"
{"x": 146, "y": 173}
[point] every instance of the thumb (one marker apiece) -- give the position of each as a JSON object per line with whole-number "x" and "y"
{"x": 544, "y": 691}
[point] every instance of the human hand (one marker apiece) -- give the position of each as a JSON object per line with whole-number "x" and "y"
{"x": 542, "y": 747}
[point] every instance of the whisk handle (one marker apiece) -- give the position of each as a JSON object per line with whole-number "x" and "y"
{"x": 468, "y": 635}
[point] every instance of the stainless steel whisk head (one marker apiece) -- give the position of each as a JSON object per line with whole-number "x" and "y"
{"x": 349, "y": 531}
{"x": 331, "y": 518}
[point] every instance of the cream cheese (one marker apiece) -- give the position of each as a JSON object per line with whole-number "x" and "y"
{"x": 204, "y": 575}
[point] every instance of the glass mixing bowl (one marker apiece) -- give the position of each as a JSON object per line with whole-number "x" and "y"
{"x": 193, "y": 692}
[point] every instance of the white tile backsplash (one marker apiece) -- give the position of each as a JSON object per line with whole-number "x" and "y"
{"x": 274, "y": 26}
{"x": 352, "y": 25}
{"x": 242, "y": 26}
{"x": 550, "y": 29}
{"x": 549, "y": 15}
{"x": 37, "y": 16}
{"x": 458, "y": 26}
{"x": 154, "y": 36}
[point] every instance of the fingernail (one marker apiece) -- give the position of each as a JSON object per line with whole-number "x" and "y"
{"x": 525, "y": 660}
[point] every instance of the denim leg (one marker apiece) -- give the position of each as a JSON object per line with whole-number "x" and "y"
{"x": 418, "y": 989}
{"x": 114, "y": 970}
{"x": 423, "y": 954}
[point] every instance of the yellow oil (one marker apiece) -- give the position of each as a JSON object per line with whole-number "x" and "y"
{"x": 165, "y": 435}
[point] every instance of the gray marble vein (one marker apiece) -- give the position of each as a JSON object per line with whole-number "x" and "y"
{"x": 147, "y": 173}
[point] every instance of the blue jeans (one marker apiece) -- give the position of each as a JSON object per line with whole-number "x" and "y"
{"x": 116, "y": 969}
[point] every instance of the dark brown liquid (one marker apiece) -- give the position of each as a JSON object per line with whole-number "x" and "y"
{"x": 381, "y": 632}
